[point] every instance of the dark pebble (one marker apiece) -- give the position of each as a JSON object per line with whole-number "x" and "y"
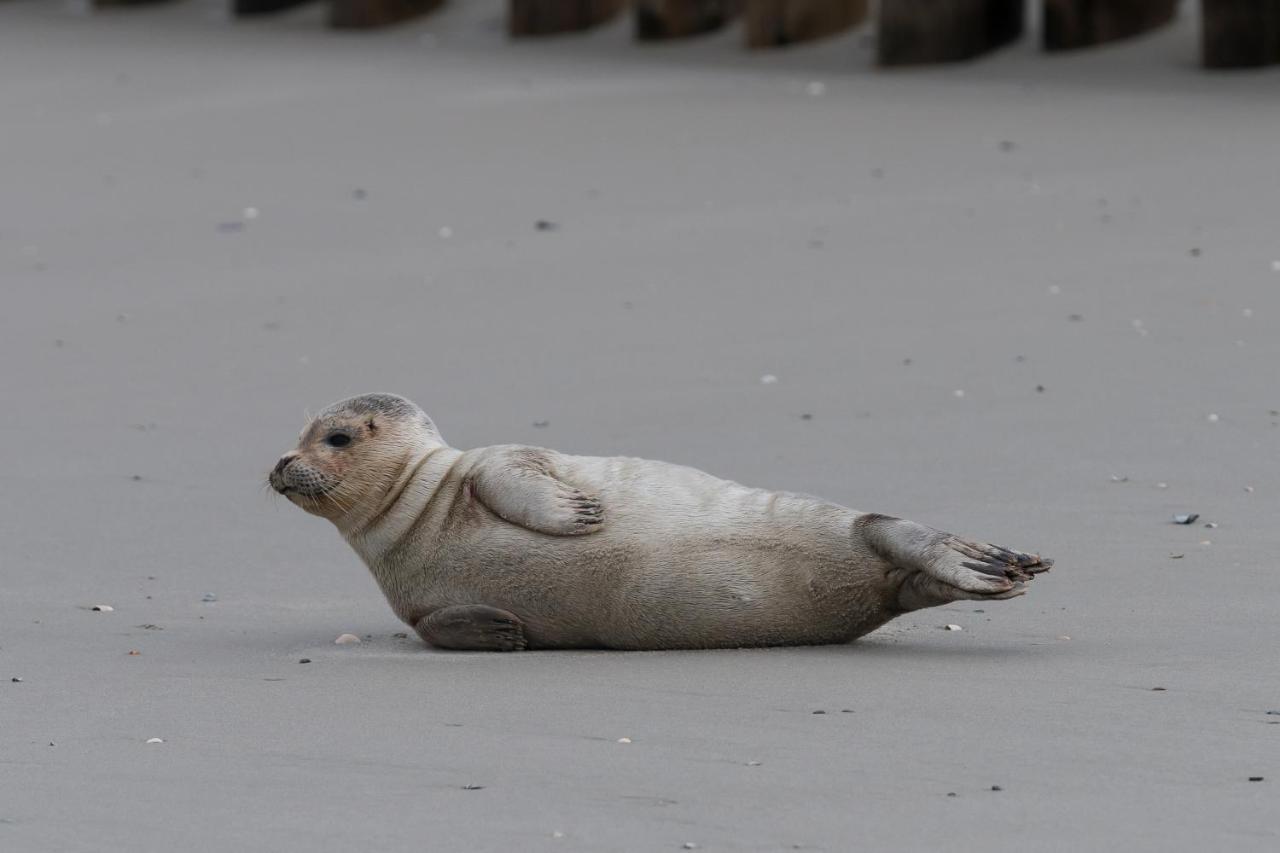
{"x": 305, "y": 660}
{"x": 545, "y": 225}
{"x": 136, "y": 477}
{"x": 1195, "y": 253}
{"x": 541, "y": 424}
{"x": 806, "y": 417}
{"x": 1039, "y": 389}
{"x": 473, "y": 787}
{"x": 819, "y": 712}
{"x": 16, "y": 680}
{"x": 1273, "y": 713}
{"x": 1076, "y": 318}
{"x": 1255, "y": 778}
{"x": 1007, "y": 145}
{"x": 996, "y": 788}
{"x": 359, "y": 194}
{"x": 1157, "y": 689}
{"x": 846, "y": 710}
{"x": 951, "y": 793}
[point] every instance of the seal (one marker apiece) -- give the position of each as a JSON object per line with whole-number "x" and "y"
{"x": 513, "y": 547}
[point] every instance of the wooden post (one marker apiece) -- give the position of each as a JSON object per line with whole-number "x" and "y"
{"x": 920, "y": 31}
{"x": 249, "y": 8}
{"x": 774, "y": 23}
{"x": 547, "y": 17}
{"x": 368, "y": 14}
{"x": 665, "y": 19}
{"x": 1240, "y": 33}
{"x": 1070, "y": 24}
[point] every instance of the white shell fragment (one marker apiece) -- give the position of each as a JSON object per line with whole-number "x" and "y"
{"x": 1186, "y": 518}
{"x": 624, "y": 740}
{"x": 102, "y": 608}
{"x": 953, "y": 628}
{"x": 346, "y": 639}
{"x": 155, "y": 740}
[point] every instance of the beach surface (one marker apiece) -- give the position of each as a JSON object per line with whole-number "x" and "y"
{"x": 1034, "y": 300}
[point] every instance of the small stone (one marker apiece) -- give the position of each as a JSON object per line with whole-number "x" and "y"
{"x": 1256, "y": 778}
{"x": 16, "y": 680}
{"x": 753, "y": 763}
{"x": 209, "y": 598}
{"x": 133, "y": 653}
{"x": 951, "y": 793}
{"x": 1248, "y": 489}
{"x": 400, "y": 635}
{"x": 473, "y": 787}
{"x": 768, "y": 379}
{"x": 1195, "y": 252}
{"x": 1119, "y": 478}
{"x": 624, "y": 740}
{"x": 1273, "y": 713}
{"x": 102, "y": 608}
{"x": 1206, "y": 542}
{"x": 1039, "y": 389}
{"x": 1007, "y": 145}
{"x": 359, "y": 194}
{"x": 304, "y": 660}
{"x": 689, "y": 845}
{"x": 137, "y": 478}
{"x": 155, "y": 740}
{"x": 1063, "y": 637}
{"x": 557, "y": 834}
{"x": 1157, "y": 690}
{"x": 819, "y": 712}
{"x": 806, "y": 417}
{"x": 952, "y": 628}
{"x": 846, "y": 710}
{"x": 1212, "y": 418}
{"x": 541, "y": 424}
{"x": 1186, "y": 518}
{"x": 346, "y": 639}
{"x": 996, "y": 788}
{"x": 1211, "y": 524}
{"x": 906, "y": 362}
{"x": 545, "y": 225}
{"x": 1162, "y": 485}
{"x": 1076, "y": 318}
{"x": 1176, "y": 556}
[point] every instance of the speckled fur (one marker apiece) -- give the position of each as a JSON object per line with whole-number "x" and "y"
{"x": 618, "y": 552}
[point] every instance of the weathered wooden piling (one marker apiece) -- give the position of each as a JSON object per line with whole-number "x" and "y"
{"x": 370, "y": 14}
{"x": 1240, "y": 33}
{"x": 1070, "y": 24}
{"x": 547, "y": 17}
{"x": 776, "y": 23}
{"x": 925, "y": 31}
{"x": 250, "y": 8}
{"x": 666, "y": 19}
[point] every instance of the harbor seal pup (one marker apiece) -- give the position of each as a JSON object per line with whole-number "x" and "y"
{"x": 513, "y": 547}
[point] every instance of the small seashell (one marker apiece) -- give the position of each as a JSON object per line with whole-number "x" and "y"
{"x": 953, "y": 628}
{"x": 1186, "y": 518}
{"x": 102, "y": 608}
{"x": 155, "y": 740}
{"x": 346, "y": 639}
{"x": 624, "y": 740}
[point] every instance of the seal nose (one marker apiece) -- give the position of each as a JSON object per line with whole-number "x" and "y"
{"x": 285, "y": 462}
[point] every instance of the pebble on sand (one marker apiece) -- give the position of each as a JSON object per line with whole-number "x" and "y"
{"x": 102, "y": 608}
{"x": 768, "y": 379}
{"x": 304, "y": 660}
{"x": 624, "y": 740}
{"x": 209, "y": 598}
{"x": 1256, "y": 778}
{"x": 545, "y": 225}
{"x": 155, "y": 740}
{"x": 1186, "y": 518}
{"x": 16, "y": 680}
{"x": 1212, "y": 418}
{"x": 689, "y": 845}
{"x": 346, "y": 639}
{"x": 952, "y": 628}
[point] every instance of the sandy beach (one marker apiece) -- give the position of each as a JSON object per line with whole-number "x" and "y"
{"x": 1034, "y": 300}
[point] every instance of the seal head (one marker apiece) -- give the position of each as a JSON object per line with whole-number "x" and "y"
{"x": 352, "y": 450}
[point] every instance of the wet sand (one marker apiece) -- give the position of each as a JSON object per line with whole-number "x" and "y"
{"x": 209, "y": 228}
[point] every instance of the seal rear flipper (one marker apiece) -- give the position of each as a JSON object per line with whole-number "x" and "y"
{"x": 519, "y": 485}
{"x": 933, "y": 567}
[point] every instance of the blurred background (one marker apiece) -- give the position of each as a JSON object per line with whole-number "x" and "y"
{"x": 1010, "y": 270}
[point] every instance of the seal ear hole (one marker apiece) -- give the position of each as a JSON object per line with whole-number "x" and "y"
{"x": 372, "y": 427}
{"x": 338, "y": 439}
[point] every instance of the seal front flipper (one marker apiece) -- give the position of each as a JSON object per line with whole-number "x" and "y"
{"x": 519, "y": 485}
{"x": 472, "y": 627}
{"x": 933, "y": 567}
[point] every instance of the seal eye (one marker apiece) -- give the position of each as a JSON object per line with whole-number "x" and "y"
{"x": 338, "y": 439}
